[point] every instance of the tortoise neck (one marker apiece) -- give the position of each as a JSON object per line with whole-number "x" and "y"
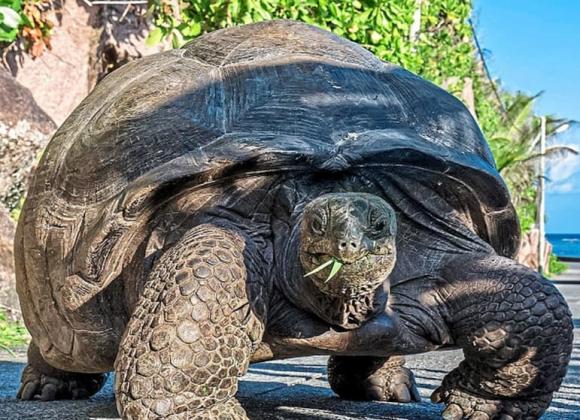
{"x": 348, "y": 312}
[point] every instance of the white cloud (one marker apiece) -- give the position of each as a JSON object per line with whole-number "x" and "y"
{"x": 564, "y": 168}
{"x": 564, "y": 173}
{"x": 562, "y": 188}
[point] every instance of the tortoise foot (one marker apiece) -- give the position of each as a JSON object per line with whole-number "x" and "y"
{"x": 36, "y": 385}
{"x": 396, "y": 384}
{"x": 149, "y": 409}
{"x": 460, "y": 404}
{"x": 372, "y": 378}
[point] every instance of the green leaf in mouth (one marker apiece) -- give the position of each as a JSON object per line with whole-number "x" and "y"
{"x": 320, "y": 267}
{"x": 336, "y": 266}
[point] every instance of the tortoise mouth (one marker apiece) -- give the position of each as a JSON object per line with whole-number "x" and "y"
{"x": 317, "y": 258}
{"x": 339, "y": 278}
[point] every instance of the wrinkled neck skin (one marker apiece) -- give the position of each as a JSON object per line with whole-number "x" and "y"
{"x": 344, "y": 312}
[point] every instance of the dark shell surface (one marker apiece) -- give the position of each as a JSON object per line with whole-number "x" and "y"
{"x": 258, "y": 101}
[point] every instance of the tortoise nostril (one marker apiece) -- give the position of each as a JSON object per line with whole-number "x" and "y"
{"x": 343, "y": 245}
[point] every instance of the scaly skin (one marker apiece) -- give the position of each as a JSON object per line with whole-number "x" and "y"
{"x": 372, "y": 378}
{"x": 515, "y": 330}
{"x": 193, "y": 332}
{"x": 46, "y": 383}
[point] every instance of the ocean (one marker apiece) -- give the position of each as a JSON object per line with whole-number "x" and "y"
{"x": 565, "y": 244}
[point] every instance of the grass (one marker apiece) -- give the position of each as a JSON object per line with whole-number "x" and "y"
{"x": 13, "y": 335}
{"x": 555, "y": 266}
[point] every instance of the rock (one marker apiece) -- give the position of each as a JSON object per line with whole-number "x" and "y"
{"x": 58, "y": 78}
{"x": 16, "y": 101}
{"x": 8, "y": 298}
{"x": 87, "y": 43}
{"x": 24, "y": 130}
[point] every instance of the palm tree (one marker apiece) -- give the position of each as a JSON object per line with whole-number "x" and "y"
{"x": 516, "y": 146}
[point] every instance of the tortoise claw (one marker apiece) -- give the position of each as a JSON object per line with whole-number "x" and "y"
{"x": 479, "y": 415}
{"x": 28, "y": 390}
{"x": 49, "y": 392}
{"x": 66, "y": 385}
{"x": 437, "y": 395}
{"x": 401, "y": 393}
{"x": 452, "y": 412}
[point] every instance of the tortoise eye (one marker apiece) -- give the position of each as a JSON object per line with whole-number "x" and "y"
{"x": 378, "y": 228}
{"x": 317, "y": 225}
{"x": 377, "y": 224}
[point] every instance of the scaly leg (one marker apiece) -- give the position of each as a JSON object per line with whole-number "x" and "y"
{"x": 516, "y": 333}
{"x": 194, "y": 330}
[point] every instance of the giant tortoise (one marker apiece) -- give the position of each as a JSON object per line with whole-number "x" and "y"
{"x": 271, "y": 191}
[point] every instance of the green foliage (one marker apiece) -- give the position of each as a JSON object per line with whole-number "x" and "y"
{"x": 26, "y": 20}
{"x": 12, "y": 334}
{"x": 488, "y": 111}
{"x": 11, "y": 18}
{"x": 555, "y": 266}
{"x": 442, "y": 49}
{"x": 515, "y": 145}
{"x": 336, "y": 266}
{"x": 527, "y": 208}
{"x": 15, "y": 211}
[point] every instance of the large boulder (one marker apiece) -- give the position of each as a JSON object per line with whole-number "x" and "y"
{"x": 58, "y": 78}
{"x": 87, "y": 43}
{"x": 24, "y": 130}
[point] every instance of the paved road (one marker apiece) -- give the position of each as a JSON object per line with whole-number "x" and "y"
{"x": 572, "y": 274}
{"x": 297, "y": 389}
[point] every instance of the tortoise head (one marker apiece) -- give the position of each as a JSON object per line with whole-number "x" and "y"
{"x": 347, "y": 243}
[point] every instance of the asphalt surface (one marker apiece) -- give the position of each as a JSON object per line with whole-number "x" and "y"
{"x": 298, "y": 388}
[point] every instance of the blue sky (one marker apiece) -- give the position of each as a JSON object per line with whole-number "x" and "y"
{"x": 533, "y": 46}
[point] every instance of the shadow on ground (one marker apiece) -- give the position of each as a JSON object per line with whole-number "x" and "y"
{"x": 291, "y": 389}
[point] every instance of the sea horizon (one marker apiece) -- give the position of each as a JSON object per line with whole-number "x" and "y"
{"x": 565, "y": 244}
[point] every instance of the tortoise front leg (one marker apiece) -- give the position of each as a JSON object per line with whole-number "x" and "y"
{"x": 516, "y": 333}
{"x": 193, "y": 332}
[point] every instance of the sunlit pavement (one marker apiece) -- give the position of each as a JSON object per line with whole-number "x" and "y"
{"x": 298, "y": 389}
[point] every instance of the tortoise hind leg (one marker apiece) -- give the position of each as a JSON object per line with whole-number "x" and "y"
{"x": 372, "y": 378}
{"x": 42, "y": 381}
{"x": 194, "y": 330}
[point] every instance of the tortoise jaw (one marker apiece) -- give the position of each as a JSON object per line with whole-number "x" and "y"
{"x": 334, "y": 263}
{"x": 337, "y": 277}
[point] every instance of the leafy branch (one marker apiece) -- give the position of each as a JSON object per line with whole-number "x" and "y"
{"x": 28, "y": 20}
